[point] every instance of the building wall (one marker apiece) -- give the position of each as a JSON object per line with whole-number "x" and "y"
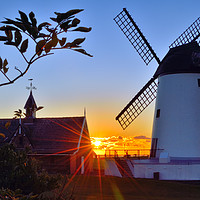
{"x": 167, "y": 172}
{"x": 54, "y": 163}
{"x": 111, "y": 168}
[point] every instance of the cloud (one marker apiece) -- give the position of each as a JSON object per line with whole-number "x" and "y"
{"x": 141, "y": 137}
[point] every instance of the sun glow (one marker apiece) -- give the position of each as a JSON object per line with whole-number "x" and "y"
{"x": 132, "y": 146}
{"x": 97, "y": 143}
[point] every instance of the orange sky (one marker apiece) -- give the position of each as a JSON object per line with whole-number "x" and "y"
{"x": 131, "y": 145}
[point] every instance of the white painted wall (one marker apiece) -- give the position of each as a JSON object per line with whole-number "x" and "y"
{"x": 167, "y": 172}
{"x": 178, "y": 127}
{"x": 111, "y": 168}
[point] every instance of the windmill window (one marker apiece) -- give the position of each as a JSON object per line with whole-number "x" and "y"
{"x": 198, "y": 82}
{"x": 158, "y": 113}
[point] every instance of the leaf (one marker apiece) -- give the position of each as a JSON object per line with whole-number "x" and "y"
{"x": 48, "y": 46}
{"x": 23, "y": 16}
{"x": 50, "y": 30}
{"x": 54, "y": 39}
{"x": 82, "y": 51}
{"x": 18, "y": 38}
{"x": 52, "y": 43}
{"x": 77, "y": 42}
{"x": 3, "y": 38}
{"x": 12, "y": 28}
{"x": 57, "y": 13}
{"x": 40, "y": 46}
{"x": 34, "y": 31}
{"x": 83, "y": 29}
{"x": 75, "y": 22}
{"x": 65, "y": 25}
{"x": 62, "y": 16}
{"x": 7, "y": 125}
{"x": 5, "y": 70}
{"x": 18, "y": 113}
{"x": 10, "y": 43}
{"x": 32, "y": 18}
{"x": 44, "y": 24}
{"x": 28, "y": 27}
{"x": 9, "y": 21}
{"x": 24, "y": 46}
{"x": 18, "y": 19}
{"x": 21, "y": 26}
{"x": 62, "y": 42}
{"x": 5, "y": 63}
{"x": 67, "y": 45}
{"x": 2, "y": 135}
{"x": 31, "y": 15}
{"x": 42, "y": 35}
{"x": 1, "y": 63}
{"x": 17, "y": 24}
{"x": 3, "y": 28}
{"x": 53, "y": 19}
{"x": 39, "y": 108}
{"x": 9, "y": 34}
{"x": 34, "y": 22}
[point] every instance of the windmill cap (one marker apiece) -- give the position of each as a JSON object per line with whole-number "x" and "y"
{"x": 181, "y": 59}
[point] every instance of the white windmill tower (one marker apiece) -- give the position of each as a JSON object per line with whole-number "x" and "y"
{"x": 176, "y": 83}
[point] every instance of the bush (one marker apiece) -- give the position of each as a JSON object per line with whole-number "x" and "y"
{"x": 18, "y": 171}
{"x": 16, "y": 195}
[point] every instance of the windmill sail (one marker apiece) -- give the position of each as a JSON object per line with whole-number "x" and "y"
{"x": 190, "y": 34}
{"x": 135, "y": 36}
{"x": 135, "y": 107}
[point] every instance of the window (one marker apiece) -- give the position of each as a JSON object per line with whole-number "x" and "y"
{"x": 158, "y": 113}
{"x": 198, "y": 82}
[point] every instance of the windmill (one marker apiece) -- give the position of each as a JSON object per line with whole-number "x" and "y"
{"x": 176, "y": 87}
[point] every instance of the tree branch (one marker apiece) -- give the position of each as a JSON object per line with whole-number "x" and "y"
{"x": 5, "y": 75}
{"x": 41, "y": 57}
{"x": 18, "y": 70}
{"x": 22, "y": 54}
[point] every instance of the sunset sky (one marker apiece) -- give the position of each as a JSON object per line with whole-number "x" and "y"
{"x": 67, "y": 82}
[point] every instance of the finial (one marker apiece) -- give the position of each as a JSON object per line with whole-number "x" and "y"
{"x": 84, "y": 112}
{"x": 31, "y": 86}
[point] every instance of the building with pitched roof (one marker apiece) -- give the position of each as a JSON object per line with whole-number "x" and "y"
{"x": 62, "y": 144}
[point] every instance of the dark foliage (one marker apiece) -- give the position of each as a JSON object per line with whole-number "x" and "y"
{"x": 18, "y": 171}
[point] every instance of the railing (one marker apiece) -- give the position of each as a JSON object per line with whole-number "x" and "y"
{"x": 131, "y": 153}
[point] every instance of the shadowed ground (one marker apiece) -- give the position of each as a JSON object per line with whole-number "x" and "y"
{"x": 107, "y": 188}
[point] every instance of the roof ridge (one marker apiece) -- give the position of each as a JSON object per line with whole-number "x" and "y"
{"x": 60, "y": 117}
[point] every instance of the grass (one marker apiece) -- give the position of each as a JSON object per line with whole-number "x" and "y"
{"x": 108, "y": 188}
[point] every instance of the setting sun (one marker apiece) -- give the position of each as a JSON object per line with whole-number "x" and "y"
{"x": 97, "y": 143}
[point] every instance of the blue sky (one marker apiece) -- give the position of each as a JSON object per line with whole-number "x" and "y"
{"x": 67, "y": 81}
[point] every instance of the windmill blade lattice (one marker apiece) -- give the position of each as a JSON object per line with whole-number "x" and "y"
{"x": 134, "y": 108}
{"x": 135, "y": 36}
{"x": 190, "y": 34}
